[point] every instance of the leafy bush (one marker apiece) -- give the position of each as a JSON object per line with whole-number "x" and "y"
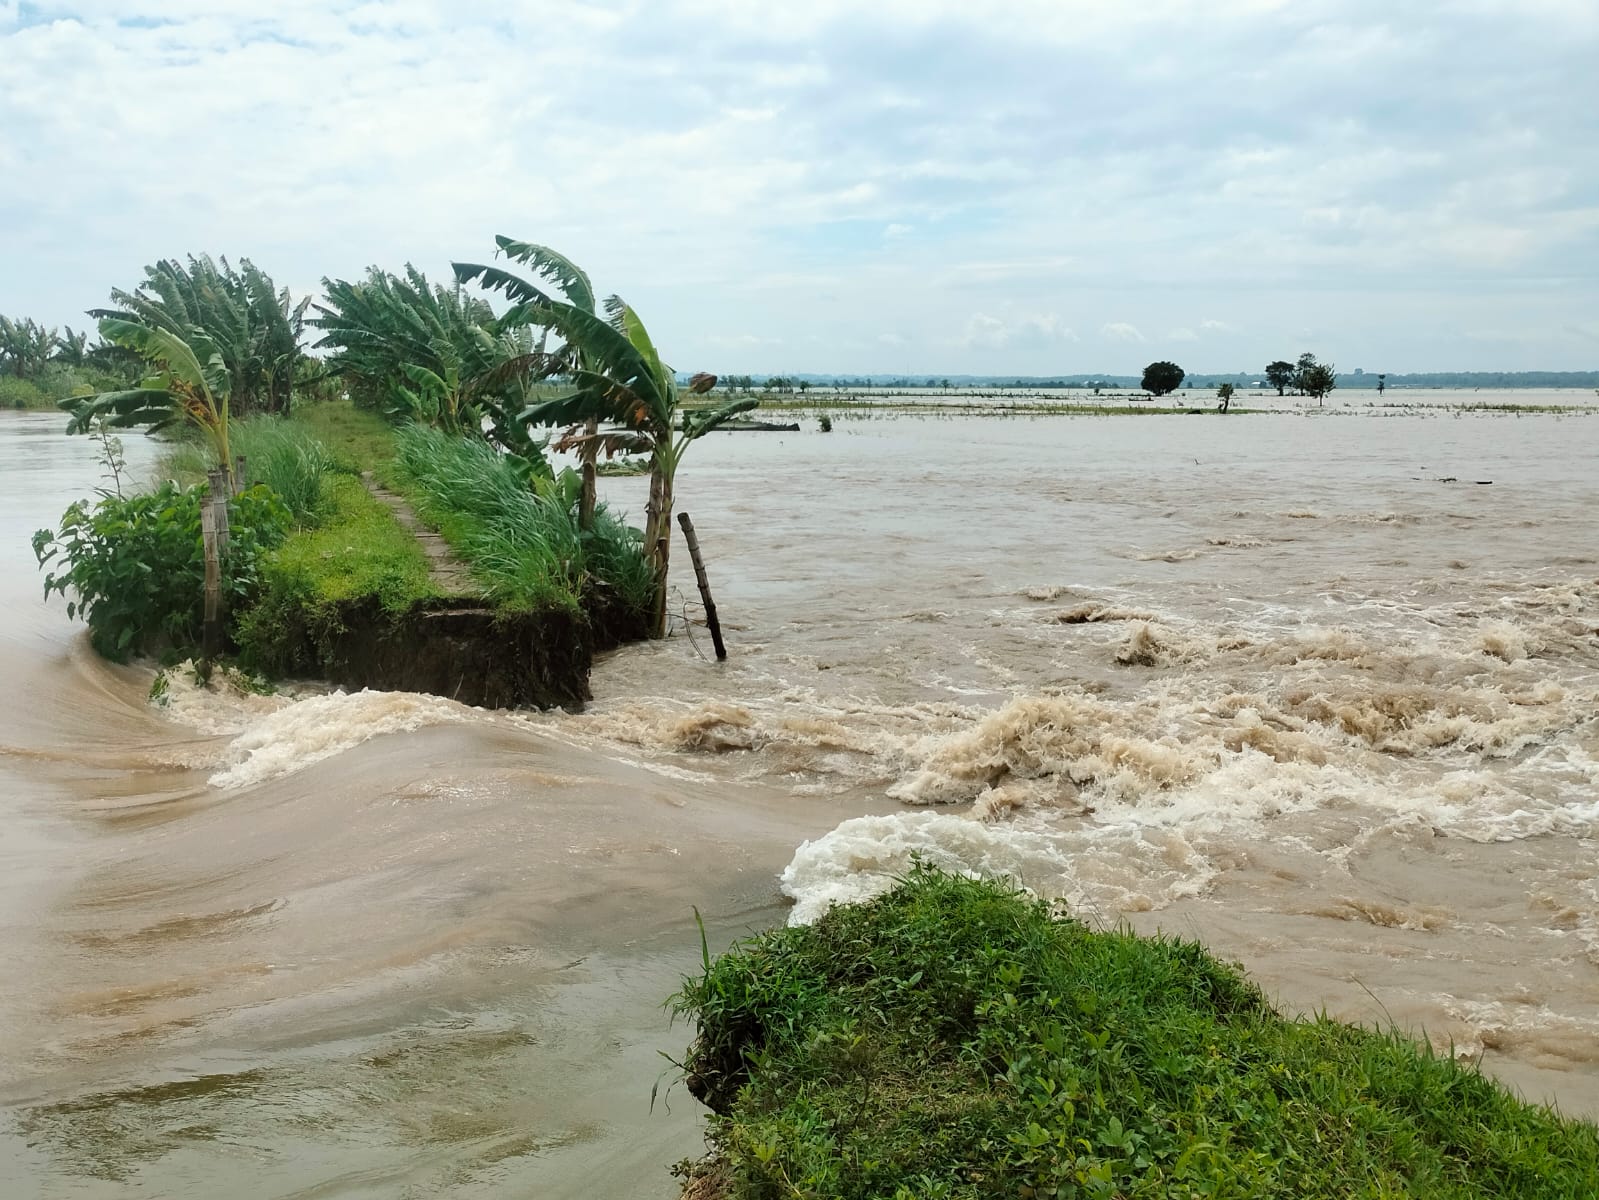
{"x": 136, "y": 566}
{"x": 58, "y": 381}
{"x": 955, "y": 1039}
{"x": 516, "y": 528}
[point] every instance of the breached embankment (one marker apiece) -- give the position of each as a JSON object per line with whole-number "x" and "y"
{"x": 457, "y": 648}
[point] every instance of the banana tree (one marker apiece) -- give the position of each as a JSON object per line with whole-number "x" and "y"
{"x": 253, "y": 325}
{"x": 25, "y": 345}
{"x": 620, "y": 397}
{"x": 570, "y": 285}
{"x": 191, "y": 383}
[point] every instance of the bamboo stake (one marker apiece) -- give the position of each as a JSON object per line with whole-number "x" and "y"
{"x": 214, "y": 536}
{"x": 705, "y": 584}
{"x": 585, "y": 504}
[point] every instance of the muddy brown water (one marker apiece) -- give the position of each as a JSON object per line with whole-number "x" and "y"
{"x": 1268, "y": 682}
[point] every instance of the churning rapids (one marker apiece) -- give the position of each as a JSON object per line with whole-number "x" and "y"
{"x": 1298, "y": 686}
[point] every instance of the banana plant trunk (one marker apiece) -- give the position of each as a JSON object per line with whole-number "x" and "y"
{"x": 658, "y": 535}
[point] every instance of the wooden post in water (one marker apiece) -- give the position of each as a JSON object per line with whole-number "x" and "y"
{"x": 214, "y": 536}
{"x": 705, "y": 584}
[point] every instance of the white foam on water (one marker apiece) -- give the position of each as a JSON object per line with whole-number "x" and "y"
{"x": 295, "y": 735}
{"x": 863, "y": 858}
{"x": 221, "y": 705}
{"x": 1098, "y": 872}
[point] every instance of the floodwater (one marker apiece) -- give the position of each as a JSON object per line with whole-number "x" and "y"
{"x": 1317, "y": 689}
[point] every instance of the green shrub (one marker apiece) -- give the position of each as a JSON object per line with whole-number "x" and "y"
{"x": 955, "y": 1039}
{"x": 22, "y": 394}
{"x": 58, "y": 381}
{"x": 136, "y": 567}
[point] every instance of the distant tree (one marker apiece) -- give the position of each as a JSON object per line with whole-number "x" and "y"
{"x": 1382, "y": 384}
{"x": 946, "y": 385}
{"x": 1307, "y": 360}
{"x": 804, "y": 385}
{"x": 1280, "y": 374}
{"x": 1224, "y": 393}
{"x": 1317, "y": 380}
{"x": 25, "y": 346}
{"x": 1161, "y": 378}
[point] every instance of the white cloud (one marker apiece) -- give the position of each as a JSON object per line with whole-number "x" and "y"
{"x": 808, "y": 168}
{"x": 984, "y": 331}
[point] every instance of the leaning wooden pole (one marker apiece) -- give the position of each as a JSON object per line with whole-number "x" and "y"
{"x": 705, "y": 584}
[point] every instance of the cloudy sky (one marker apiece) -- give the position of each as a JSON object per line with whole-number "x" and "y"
{"x": 931, "y": 186}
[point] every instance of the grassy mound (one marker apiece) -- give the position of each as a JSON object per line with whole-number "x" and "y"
{"x": 355, "y": 555}
{"x": 956, "y": 1039}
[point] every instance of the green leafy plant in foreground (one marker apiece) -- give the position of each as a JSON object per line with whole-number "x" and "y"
{"x": 135, "y": 567}
{"x": 956, "y": 1039}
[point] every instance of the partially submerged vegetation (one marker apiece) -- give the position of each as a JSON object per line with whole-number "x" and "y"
{"x": 135, "y": 566}
{"x": 957, "y": 1039}
{"x": 450, "y": 397}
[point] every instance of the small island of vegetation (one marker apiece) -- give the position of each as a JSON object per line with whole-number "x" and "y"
{"x": 385, "y": 515}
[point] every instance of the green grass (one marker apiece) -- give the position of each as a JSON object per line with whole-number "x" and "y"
{"x": 359, "y": 549}
{"x": 358, "y": 555}
{"x": 518, "y": 535}
{"x": 955, "y": 1039}
{"x": 359, "y": 438}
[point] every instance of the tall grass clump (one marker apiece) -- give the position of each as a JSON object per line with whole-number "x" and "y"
{"x": 518, "y": 531}
{"x": 290, "y": 459}
{"x": 280, "y": 452}
{"x": 956, "y": 1039}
